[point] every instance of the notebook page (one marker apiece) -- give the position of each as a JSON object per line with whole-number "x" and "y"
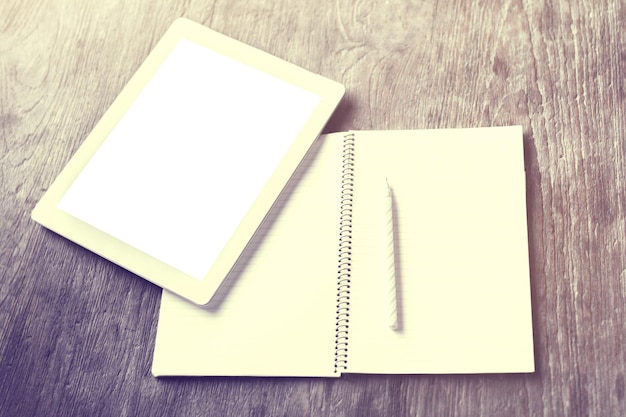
{"x": 461, "y": 253}
{"x": 274, "y": 316}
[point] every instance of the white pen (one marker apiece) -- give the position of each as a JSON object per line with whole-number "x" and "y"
{"x": 390, "y": 257}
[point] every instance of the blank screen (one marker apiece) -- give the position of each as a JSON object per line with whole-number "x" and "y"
{"x": 181, "y": 168}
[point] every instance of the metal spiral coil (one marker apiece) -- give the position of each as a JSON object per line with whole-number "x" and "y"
{"x": 342, "y": 316}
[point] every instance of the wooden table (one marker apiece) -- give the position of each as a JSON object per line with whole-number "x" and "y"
{"x": 77, "y": 332}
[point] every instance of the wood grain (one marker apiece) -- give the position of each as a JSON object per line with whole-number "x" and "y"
{"x": 76, "y": 332}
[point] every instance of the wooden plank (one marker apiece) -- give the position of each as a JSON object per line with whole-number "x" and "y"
{"x": 76, "y": 332}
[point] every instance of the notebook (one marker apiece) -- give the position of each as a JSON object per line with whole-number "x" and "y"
{"x": 309, "y": 296}
{"x": 176, "y": 177}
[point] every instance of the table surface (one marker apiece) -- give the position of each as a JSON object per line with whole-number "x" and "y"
{"x": 77, "y": 332}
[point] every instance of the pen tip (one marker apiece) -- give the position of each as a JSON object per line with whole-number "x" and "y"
{"x": 387, "y": 186}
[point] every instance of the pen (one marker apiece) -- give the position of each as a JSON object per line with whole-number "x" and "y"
{"x": 390, "y": 257}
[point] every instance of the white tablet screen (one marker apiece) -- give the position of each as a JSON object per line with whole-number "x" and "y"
{"x": 184, "y": 164}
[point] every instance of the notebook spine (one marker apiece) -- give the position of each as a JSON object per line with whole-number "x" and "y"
{"x": 342, "y": 317}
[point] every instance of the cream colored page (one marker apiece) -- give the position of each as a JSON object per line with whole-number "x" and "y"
{"x": 276, "y": 315}
{"x": 461, "y": 253}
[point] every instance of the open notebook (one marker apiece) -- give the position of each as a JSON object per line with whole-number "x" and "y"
{"x": 303, "y": 301}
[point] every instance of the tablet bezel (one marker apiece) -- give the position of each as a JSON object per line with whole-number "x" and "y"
{"x": 200, "y": 292}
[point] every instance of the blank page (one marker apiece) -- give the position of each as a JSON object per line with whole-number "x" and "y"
{"x": 274, "y": 315}
{"x": 185, "y": 163}
{"x": 461, "y": 253}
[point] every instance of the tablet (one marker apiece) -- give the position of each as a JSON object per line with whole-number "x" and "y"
{"x": 175, "y": 179}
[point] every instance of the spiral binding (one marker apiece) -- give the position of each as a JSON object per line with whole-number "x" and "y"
{"x": 342, "y": 316}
